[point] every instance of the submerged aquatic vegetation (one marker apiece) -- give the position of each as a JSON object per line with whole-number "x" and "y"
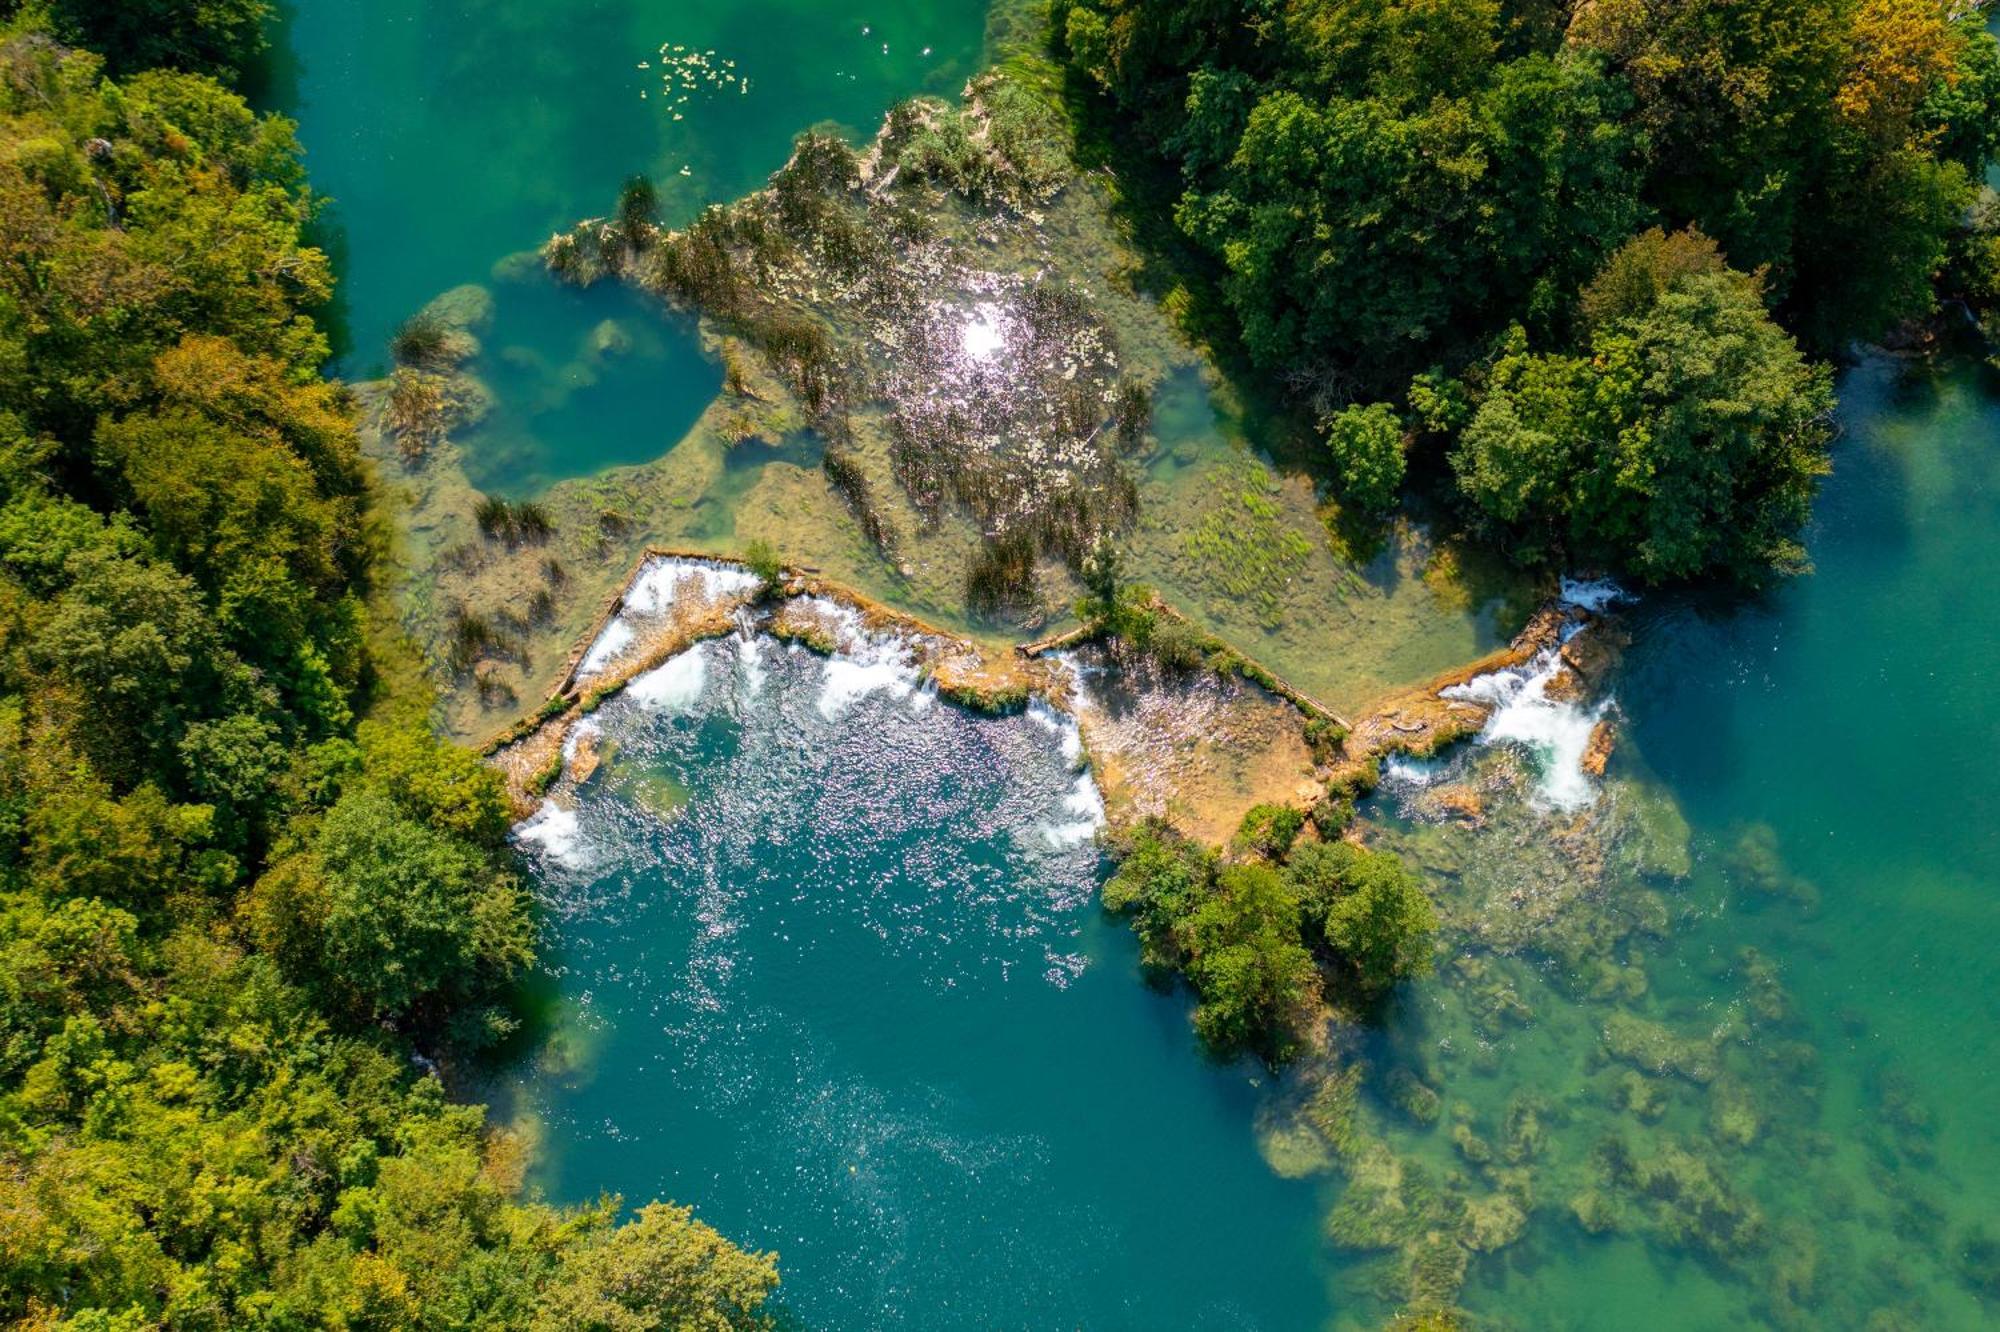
{"x": 1241, "y": 547}
{"x": 989, "y": 391}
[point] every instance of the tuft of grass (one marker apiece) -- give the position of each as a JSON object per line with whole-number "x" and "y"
{"x": 424, "y": 342}
{"x": 1001, "y": 574}
{"x": 514, "y": 523}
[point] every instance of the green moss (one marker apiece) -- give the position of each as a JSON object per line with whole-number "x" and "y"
{"x": 991, "y": 699}
{"x": 1241, "y": 546}
{"x": 544, "y": 777}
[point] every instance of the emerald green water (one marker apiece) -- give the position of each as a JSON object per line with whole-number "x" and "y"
{"x": 453, "y": 134}
{"x": 828, "y": 978}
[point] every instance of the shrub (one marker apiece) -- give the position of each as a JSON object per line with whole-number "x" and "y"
{"x": 1324, "y": 737}
{"x": 1176, "y": 645}
{"x": 1269, "y": 830}
{"x": 1367, "y": 448}
{"x": 762, "y": 559}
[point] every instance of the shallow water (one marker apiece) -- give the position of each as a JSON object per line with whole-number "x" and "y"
{"x": 451, "y": 136}
{"x": 1824, "y": 1045}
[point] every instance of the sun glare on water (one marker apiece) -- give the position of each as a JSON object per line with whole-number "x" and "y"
{"x": 982, "y": 337}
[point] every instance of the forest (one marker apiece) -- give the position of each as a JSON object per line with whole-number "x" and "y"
{"x": 252, "y": 912}
{"x": 1588, "y": 261}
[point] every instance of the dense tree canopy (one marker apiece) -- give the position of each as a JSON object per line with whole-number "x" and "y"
{"x": 230, "y": 917}
{"x": 1687, "y": 435}
{"x": 215, "y": 37}
{"x": 1382, "y": 190}
{"x": 1255, "y": 938}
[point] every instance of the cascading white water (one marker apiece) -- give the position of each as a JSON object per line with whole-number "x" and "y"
{"x": 555, "y": 830}
{"x": 1555, "y": 732}
{"x": 673, "y": 686}
{"x": 654, "y": 590}
{"x": 863, "y": 662}
{"x": 1084, "y": 801}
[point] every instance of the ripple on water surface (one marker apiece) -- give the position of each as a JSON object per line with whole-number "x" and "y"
{"x": 833, "y": 952}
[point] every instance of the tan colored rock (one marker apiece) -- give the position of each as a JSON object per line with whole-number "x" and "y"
{"x": 1460, "y": 802}
{"x": 1603, "y": 738}
{"x": 586, "y": 756}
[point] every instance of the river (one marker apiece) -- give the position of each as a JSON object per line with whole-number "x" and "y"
{"x": 826, "y": 959}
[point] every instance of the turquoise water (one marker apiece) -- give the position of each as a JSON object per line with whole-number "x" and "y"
{"x": 451, "y": 135}
{"x": 828, "y": 979}
{"x": 581, "y": 380}
{"x": 825, "y": 973}
{"x": 855, "y": 999}
{"x": 1856, "y": 714}
{"x": 1815, "y": 1071}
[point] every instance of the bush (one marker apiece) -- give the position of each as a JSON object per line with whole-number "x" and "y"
{"x": 1324, "y": 737}
{"x": 1175, "y": 644}
{"x": 761, "y": 558}
{"x": 1269, "y": 830}
{"x": 1368, "y": 909}
{"x": 1367, "y": 448}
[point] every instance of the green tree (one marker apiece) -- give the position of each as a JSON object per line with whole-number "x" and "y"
{"x": 1689, "y": 440}
{"x": 663, "y": 1270}
{"x": 1255, "y": 979}
{"x": 1370, "y": 910}
{"x": 214, "y": 886}
{"x": 1160, "y": 880}
{"x": 218, "y": 37}
{"x": 408, "y": 913}
{"x": 1367, "y": 448}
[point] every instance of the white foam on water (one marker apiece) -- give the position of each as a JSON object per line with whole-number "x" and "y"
{"x": 1086, "y": 804}
{"x": 662, "y": 579}
{"x": 864, "y": 663}
{"x": 1402, "y": 770}
{"x": 555, "y": 830}
{"x": 1061, "y": 725}
{"x": 1591, "y": 594}
{"x": 1556, "y": 733}
{"x": 674, "y": 686}
{"x": 845, "y": 620}
{"x": 617, "y": 636}
{"x": 659, "y": 582}
{"x": 588, "y": 727}
{"x": 750, "y": 662}
{"x": 876, "y": 666}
